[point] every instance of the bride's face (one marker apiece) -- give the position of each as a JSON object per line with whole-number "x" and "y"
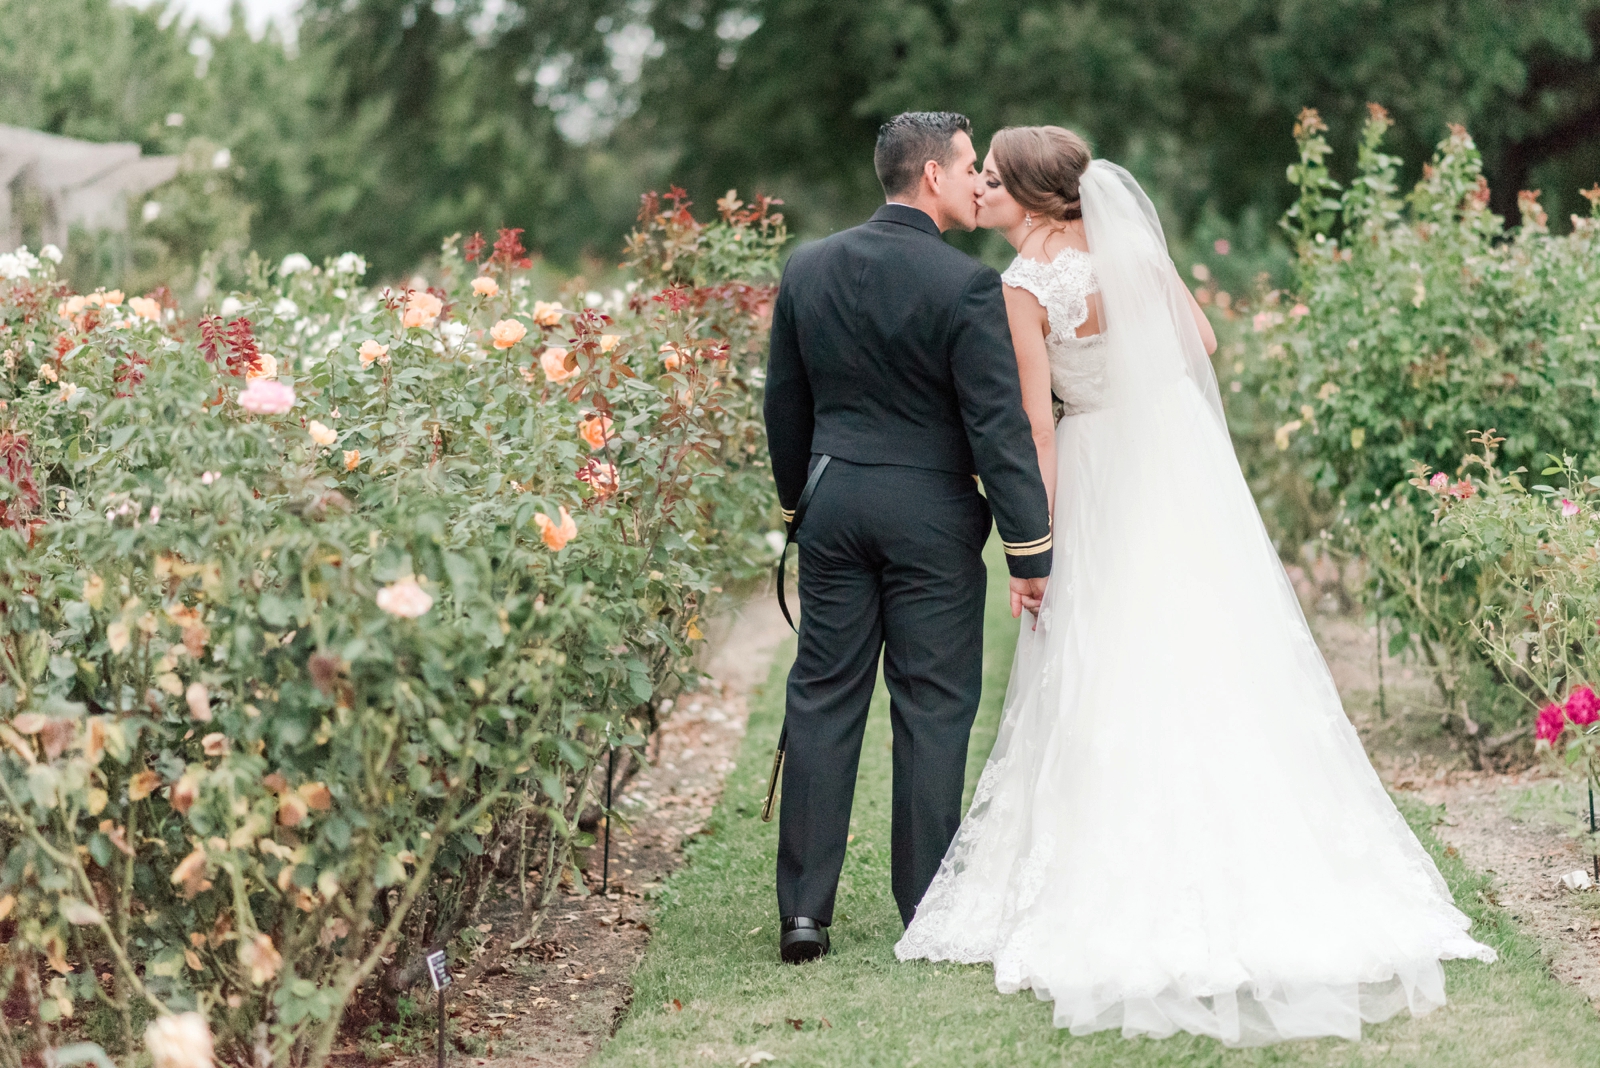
{"x": 996, "y": 209}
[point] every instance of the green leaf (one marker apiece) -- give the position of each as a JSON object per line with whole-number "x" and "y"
{"x": 444, "y": 736}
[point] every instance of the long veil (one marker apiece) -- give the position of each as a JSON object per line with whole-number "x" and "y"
{"x": 1178, "y": 827}
{"x": 1147, "y": 313}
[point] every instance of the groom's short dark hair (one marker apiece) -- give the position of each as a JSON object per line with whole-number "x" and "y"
{"x": 911, "y": 139}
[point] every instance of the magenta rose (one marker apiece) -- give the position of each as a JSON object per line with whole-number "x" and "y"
{"x": 1551, "y": 722}
{"x": 1583, "y": 707}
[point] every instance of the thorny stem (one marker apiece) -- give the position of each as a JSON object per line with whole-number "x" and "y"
{"x": 73, "y": 865}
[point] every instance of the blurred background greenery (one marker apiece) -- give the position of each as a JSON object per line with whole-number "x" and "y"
{"x": 382, "y": 126}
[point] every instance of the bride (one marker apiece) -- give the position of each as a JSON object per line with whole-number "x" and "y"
{"x": 1178, "y": 828}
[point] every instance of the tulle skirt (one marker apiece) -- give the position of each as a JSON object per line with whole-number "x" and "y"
{"x": 1178, "y": 829}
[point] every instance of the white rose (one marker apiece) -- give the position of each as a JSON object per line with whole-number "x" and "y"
{"x": 179, "y": 1041}
{"x": 294, "y": 263}
{"x": 350, "y": 263}
{"x": 404, "y": 598}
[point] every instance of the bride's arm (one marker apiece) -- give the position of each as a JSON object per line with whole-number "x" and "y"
{"x": 1028, "y": 328}
{"x": 1208, "y": 336}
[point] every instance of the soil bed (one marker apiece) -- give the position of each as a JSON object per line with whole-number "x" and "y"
{"x": 552, "y": 1004}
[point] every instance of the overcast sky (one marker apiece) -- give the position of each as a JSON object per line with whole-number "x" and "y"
{"x": 258, "y": 13}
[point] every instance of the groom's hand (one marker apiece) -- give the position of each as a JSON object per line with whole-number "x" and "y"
{"x": 1026, "y": 593}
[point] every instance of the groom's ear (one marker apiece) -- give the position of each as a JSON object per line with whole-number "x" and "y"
{"x": 932, "y": 174}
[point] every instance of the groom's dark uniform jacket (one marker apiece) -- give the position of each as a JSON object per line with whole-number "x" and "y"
{"x": 891, "y": 353}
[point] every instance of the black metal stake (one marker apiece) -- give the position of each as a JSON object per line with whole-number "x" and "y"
{"x": 441, "y": 1027}
{"x": 1591, "y": 808}
{"x": 605, "y": 864}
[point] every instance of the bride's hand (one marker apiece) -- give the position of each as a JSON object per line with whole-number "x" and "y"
{"x": 1027, "y": 593}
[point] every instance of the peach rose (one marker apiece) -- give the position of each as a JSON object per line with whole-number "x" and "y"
{"x": 556, "y": 534}
{"x": 546, "y": 313}
{"x": 198, "y": 698}
{"x": 485, "y": 286}
{"x": 404, "y": 598}
{"x": 266, "y": 367}
{"x": 260, "y": 958}
{"x": 145, "y": 308}
{"x": 422, "y": 309}
{"x": 595, "y": 430}
{"x": 320, "y": 434}
{"x": 112, "y": 297}
{"x": 554, "y": 362}
{"x": 370, "y": 350}
{"x": 609, "y": 341}
{"x": 507, "y": 332}
{"x": 352, "y": 459}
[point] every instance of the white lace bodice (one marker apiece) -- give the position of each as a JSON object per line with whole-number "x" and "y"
{"x": 1063, "y": 286}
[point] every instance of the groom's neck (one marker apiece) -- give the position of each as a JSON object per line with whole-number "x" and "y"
{"x": 926, "y": 204}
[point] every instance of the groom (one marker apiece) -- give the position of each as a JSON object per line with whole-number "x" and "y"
{"x": 891, "y": 356}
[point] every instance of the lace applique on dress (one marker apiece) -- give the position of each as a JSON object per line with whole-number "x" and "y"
{"x": 1063, "y": 286}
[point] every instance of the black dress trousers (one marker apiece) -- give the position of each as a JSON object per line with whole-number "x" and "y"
{"x": 891, "y": 559}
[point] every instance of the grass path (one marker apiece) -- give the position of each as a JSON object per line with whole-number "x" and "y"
{"x": 714, "y": 953}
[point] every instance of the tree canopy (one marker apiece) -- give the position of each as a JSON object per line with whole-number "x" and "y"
{"x": 389, "y": 124}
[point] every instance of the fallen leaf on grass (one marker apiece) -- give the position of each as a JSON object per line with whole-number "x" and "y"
{"x": 673, "y": 1006}
{"x": 796, "y": 1024}
{"x": 753, "y": 931}
{"x": 760, "y": 1056}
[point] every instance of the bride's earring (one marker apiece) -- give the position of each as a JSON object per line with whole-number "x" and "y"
{"x": 1027, "y": 219}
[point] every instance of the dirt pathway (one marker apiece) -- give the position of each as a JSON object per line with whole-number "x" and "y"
{"x": 554, "y": 1003}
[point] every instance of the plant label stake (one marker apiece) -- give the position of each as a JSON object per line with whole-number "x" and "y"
{"x": 439, "y": 975}
{"x": 605, "y": 864}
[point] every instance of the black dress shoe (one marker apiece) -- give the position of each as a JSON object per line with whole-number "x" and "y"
{"x": 803, "y": 939}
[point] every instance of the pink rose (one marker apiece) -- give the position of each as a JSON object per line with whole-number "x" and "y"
{"x": 1583, "y": 707}
{"x": 1569, "y": 508}
{"x": 1299, "y": 311}
{"x": 1551, "y": 722}
{"x": 1439, "y": 481}
{"x": 265, "y": 396}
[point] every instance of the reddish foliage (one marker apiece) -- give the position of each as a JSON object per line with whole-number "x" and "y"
{"x": 129, "y": 373}
{"x": 64, "y": 345}
{"x": 16, "y": 467}
{"x": 508, "y": 250}
{"x": 474, "y": 248}
{"x": 675, "y": 297}
{"x": 244, "y": 355}
{"x": 210, "y": 336}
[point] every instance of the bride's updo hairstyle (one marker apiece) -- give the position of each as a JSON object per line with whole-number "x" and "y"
{"x": 1040, "y": 166}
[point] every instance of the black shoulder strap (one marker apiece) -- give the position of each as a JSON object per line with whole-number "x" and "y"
{"x": 794, "y": 526}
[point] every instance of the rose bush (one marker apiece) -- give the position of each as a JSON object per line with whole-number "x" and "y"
{"x": 1414, "y": 321}
{"x": 319, "y": 610}
{"x": 1534, "y": 548}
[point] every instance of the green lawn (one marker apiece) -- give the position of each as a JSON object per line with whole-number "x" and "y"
{"x": 716, "y": 936}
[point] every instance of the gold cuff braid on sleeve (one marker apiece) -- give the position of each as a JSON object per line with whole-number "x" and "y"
{"x": 1028, "y": 548}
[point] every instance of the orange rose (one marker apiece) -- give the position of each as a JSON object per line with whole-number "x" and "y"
{"x": 485, "y": 286}
{"x": 595, "y": 430}
{"x": 145, "y": 308}
{"x": 546, "y": 313}
{"x": 352, "y": 459}
{"x": 422, "y": 309}
{"x": 507, "y": 332}
{"x": 371, "y": 350}
{"x": 556, "y": 534}
{"x": 554, "y": 362}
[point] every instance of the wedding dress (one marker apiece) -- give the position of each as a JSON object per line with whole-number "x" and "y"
{"x": 1178, "y": 828}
